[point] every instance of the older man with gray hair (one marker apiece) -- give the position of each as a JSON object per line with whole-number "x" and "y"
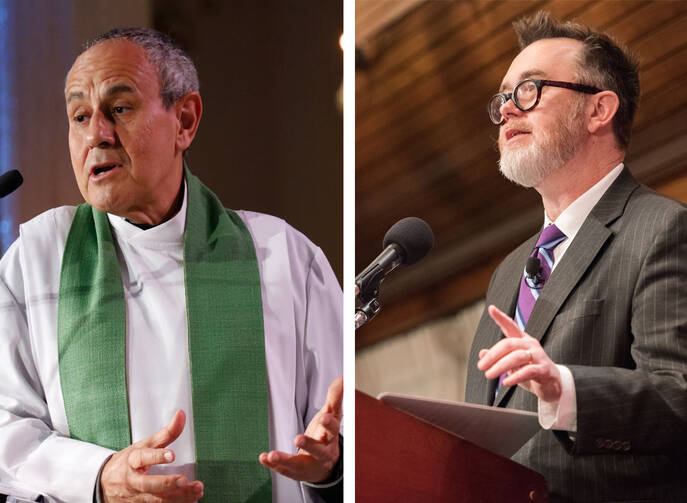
{"x": 155, "y": 345}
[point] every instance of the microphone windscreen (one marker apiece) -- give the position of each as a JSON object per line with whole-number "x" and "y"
{"x": 9, "y": 182}
{"x": 413, "y": 235}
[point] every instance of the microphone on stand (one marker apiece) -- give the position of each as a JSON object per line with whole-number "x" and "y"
{"x": 9, "y": 182}
{"x": 406, "y": 242}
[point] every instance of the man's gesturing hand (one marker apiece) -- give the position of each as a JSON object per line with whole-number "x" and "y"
{"x": 318, "y": 448}
{"x": 124, "y": 477}
{"x": 523, "y": 358}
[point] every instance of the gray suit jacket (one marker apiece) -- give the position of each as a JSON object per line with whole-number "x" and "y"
{"x": 615, "y": 312}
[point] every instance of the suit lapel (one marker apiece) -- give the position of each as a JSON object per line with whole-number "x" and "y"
{"x": 578, "y": 258}
{"x": 589, "y": 240}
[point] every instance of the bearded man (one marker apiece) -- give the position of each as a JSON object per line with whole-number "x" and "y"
{"x": 594, "y": 307}
{"x": 154, "y": 343}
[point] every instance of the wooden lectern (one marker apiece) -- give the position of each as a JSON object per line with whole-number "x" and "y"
{"x": 399, "y": 458}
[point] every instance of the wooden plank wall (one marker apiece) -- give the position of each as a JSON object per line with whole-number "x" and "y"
{"x": 425, "y": 147}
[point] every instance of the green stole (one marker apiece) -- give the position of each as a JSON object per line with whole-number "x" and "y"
{"x": 225, "y": 338}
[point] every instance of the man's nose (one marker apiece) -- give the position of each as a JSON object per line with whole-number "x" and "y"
{"x": 101, "y": 132}
{"x": 509, "y": 110}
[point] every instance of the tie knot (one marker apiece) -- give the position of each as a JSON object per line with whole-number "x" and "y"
{"x": 550, "y": 237}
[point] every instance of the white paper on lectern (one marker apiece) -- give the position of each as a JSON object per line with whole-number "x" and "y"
{"x": 499, "y": 430}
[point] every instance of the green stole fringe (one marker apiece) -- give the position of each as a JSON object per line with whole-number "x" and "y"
{"x": 225, "y": 337}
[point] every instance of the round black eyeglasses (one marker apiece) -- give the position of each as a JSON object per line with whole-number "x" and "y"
{"x": 526, "y": 95}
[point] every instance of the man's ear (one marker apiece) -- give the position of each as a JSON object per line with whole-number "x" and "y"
{"x": 605, "y": 105}
{"x": 189, "y": 108}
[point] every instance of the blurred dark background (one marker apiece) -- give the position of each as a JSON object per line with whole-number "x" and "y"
{"x": 270, "y": 139}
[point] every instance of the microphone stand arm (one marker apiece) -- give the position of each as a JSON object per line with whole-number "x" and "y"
{"x": 366, "y": 312}
{"x": 367, "y": 292}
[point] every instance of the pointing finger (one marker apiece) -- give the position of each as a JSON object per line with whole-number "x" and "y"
{"x": 505, "y": 322}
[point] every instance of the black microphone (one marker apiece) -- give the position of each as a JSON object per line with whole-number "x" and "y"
{"x": 9, "y": 182}
{"x": 406, "y": 242}
{"x": 533, "y": 272}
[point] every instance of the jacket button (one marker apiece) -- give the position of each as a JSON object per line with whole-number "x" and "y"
{"x": 608, "y": 443}
{"x": 600, "y": 443}
{"x": 617, "y": 445}
{"x": 626, "y": 446}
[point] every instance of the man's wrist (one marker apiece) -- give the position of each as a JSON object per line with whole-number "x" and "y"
{"x": 336, "y": 476}
{"x": 560, "y": 414}
{"x": 97, "y": 489}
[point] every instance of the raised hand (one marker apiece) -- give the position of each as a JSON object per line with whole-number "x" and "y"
{"x": 318, "y": 448}
{"x": 125, "y": 475}
{"x": 524, "y": 360}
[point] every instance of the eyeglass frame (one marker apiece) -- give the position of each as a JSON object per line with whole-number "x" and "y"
{"x": 539, "y": 83}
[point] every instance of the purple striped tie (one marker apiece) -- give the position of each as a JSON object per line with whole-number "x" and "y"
{"x": 550, "y": 237}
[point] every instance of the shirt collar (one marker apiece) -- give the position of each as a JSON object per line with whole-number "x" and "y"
{"x": 171, "y": 231}
{"x": 571, "y": 219}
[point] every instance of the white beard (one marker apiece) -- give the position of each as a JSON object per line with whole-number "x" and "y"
{"x": 528, "y": 166}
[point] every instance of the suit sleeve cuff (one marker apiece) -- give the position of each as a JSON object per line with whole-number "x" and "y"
{"x": 561, "y": 414}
